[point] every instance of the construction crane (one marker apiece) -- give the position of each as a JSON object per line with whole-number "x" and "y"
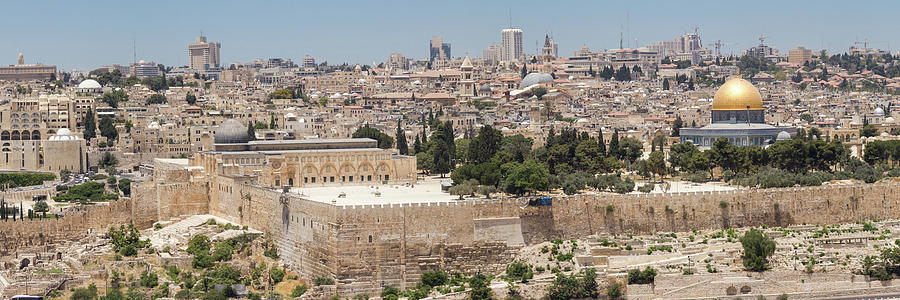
{"x": 762, "y": 40}
{"x": 718, "y": 44}
{"x": 865, "y": 43}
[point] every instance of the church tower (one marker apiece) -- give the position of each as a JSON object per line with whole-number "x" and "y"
{"x": 467, "y": 82}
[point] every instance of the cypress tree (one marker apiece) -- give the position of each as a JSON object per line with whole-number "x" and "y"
{"x": 251, "y": 131}
{"x": 614, "y": 144}
{"x": 417, "y": 145}
{"x": 90, "y": 125}
{"x": 402, "y": 146}
{"x": 600, "y": 142}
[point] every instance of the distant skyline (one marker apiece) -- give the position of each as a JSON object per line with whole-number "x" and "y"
{"x": 89, "y": 34}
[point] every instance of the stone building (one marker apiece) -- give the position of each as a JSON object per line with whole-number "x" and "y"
{"x": 303, "y": 163}
{"x": 738, "y": 116}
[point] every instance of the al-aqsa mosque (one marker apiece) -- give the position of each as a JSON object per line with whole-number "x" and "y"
{"x": 739, "y": 117}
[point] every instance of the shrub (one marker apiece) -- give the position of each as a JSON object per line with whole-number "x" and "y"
{"x": 277, "y": 275}
{"x": 757, "y": 248}
{"x": 299, "y": 290}
{"x": 149, "y": 279}
{"x": 324, "y": 281}
{"x": 646, "y": 188}
{"x": 519, "y": 271}
{"x": 614, "y": 291}
{"x": 636, "y": 276}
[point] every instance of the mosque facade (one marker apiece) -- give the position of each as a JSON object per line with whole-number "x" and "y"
{"x": 304, "y": 163}
{"x": 738, "y": 116}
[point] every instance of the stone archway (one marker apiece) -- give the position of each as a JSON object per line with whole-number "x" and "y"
{"x": 731, "y": 290}
{"x": 745, "y": 289}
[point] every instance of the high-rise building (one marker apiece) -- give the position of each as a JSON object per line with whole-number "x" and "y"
{"x": 799, "y": 56}
{"x": 685, "y": 47}
{"x": 511, "y": 41}
{"x": 438, "y": 49}
{"x": 397, "y": 62}
{"x": 144, "y": 69}
{"x": 309, "y": 62}
{"x": 492, "y": 54}
{"x": 204, "y": 55}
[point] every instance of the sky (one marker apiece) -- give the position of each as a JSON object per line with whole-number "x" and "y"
{"x": 84, "y": 35}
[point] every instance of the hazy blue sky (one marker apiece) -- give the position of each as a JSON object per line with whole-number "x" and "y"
{"x": 87, "y": 34}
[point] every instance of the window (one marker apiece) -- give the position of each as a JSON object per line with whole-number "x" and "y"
{"x": 291, "y": 181}
{"x": 351, "y": 178}
{"x": 277, "y": 182}
{"x": 332, "y": 178}
{"x": 313, "y": 180}
{"x": 369, "y": 178}
{"x": 387, "y": 177}
{"x": 305, "y": 179}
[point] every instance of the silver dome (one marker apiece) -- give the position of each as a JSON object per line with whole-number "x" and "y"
{"x": 231, "y": 132}
{"x": 535, "y": 78}
{"x": 783, "y": 136}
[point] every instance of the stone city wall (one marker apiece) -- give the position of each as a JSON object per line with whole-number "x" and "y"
{"x": 76, "y": 224}
{"x": 367, "y": 246}
{"x": 583, "y": 215}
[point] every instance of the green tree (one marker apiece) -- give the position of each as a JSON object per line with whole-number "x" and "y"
{"x": 868, "y": 130}
{"x": 539, "y": 92}
{"x": 108, "y": 129}
{"x": 113, "y": 98}
{"x": 402, "y": 146}
{"x": 157, "y": 99}
{"x": 467, "y": 187}
{"x": 623, "y": 74}
{"x": 479, "y": 289}
{"x": 90, "y": 126}
{"x": 587, "y": 156}
{"x": 666, "y": 84}
{"x": 41, "y": 207}
{"x": 485, "y": 145}
{"x": 384, "y": 141}
{"x": 757, "y": 249}
{"x": 282, "y": 94}
{"x": 630, "y": 149}
{"x": 657, "y": 164}
{"x": 525, "y": 177}
{"x": 125, "y": 186}
{"x": 190, "y": 99}
{"x": 251, "y": 131}
{"x": 676, "y": 126}
{"x": 613, "y": 149}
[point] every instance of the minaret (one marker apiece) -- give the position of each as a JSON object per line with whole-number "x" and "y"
{"x": 21, "y": 60}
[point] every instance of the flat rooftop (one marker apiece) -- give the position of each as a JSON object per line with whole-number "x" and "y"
{"x": 424, "y": 191}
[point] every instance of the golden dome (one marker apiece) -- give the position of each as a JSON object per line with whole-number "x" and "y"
{"x": 737, "y": 94}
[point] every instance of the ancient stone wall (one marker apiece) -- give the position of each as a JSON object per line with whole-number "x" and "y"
{"x": 590, "y": 214}
{"x": 76, "y": 224}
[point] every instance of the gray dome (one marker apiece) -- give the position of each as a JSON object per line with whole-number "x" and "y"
{"x": 878, "y": 112}
{"x": 231, "y": 132}
{"x": 783, "y": 136}
{"x": 535, "y": 78}
{"x": 485, "y": 88}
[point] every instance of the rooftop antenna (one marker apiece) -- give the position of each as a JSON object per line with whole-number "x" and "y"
{"x": 510, "y": 17}
{"x": 134, "y": 55}
{"x": 620, "y": 40}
